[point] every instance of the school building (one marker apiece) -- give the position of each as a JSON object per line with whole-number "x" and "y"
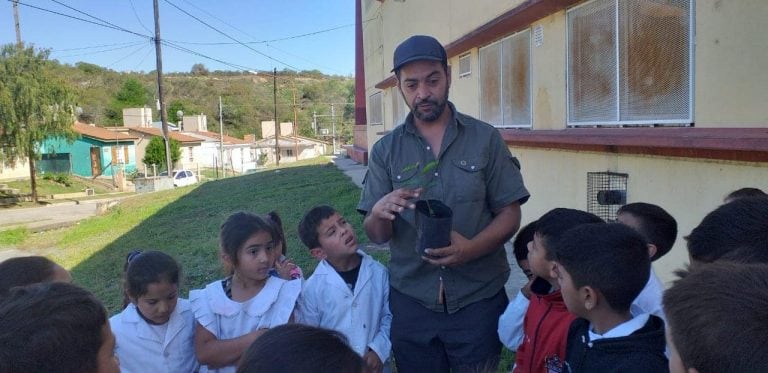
{"x": 604, "y": 102}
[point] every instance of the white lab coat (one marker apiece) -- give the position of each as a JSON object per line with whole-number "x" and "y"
{"x": 363, "y": 316}
{"x": 140, "y": 349}
{"x": 228, "y": 319}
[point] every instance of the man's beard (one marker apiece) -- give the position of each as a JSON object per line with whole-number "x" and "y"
{"x": 438, "y": 108}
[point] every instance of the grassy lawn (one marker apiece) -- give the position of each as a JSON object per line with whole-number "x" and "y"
{"x": 184, "y": 222}
{"x": 45, "y": 187}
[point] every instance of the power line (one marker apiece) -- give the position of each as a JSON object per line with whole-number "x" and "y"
{"x": 267, "y": 41}
{"x": 98, "y": 19}
{"x": 84, "y": 20}
{"x": 99, "y": 51}
{"x": 138, "y": 18}
{"x": 126, "y": 56}
{"x": 230, "y": 37}
{"x": 129, "y": 43}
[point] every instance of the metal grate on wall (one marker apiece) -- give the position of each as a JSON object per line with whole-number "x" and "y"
{"x": 606, "y": 192}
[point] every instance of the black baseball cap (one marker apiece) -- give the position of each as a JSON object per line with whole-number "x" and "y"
{"x": 419, "y": 47}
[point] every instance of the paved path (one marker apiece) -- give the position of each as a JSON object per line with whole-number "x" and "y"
{"x": 52, "y": 216}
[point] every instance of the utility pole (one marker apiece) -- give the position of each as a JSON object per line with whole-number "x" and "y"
{"x": 221, "y": 138}
{"x": 163, "y": 114}
{"x": 295, "y": 124}
{"x": 16, "y": 21}
{"x": 333, "y": 124}
{"x": 277, "y": 125}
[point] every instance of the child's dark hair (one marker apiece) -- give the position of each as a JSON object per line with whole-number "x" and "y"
{"x": 744, "y": 193}
{"x": 734, "y": 231}
{"x": 611, "y": 258}
{"x": 238, "y": 228}
{"x": 23, "y": 271}
{"x": 657, "y": 226}
{"x": 716, "y": 317}
{"x": 147, "y": 268}
{"x": 275, "y": 219}
{"x": 50, "y": 327}
{"x": 520, "y": 244}
{"x": 552, "y": 225}
{"x": 311, "y": 221}
{"x": 302, "y": 348}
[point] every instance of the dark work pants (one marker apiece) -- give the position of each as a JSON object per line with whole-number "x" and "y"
{"x": 427, "y": 341}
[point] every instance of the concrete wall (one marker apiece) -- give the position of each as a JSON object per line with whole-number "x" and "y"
{"x": 730, "y": 90}
{"x": 687, "y": 188}
{"x": 137, "y": 117}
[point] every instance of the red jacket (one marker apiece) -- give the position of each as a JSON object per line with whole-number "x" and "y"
{"x": 545, "y": 330}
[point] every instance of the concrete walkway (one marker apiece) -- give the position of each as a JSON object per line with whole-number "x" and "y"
{"x": 54, "y": 216}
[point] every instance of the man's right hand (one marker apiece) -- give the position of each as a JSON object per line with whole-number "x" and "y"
{"x": 394, "y": 203}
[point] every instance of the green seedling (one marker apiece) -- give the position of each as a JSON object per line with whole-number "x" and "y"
{"x": 424, "y": 179}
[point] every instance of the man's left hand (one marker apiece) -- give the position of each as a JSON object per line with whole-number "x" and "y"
{"x": 458, "y": 253}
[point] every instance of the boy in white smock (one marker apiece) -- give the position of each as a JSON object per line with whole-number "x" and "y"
{"x": 349, "y": 290}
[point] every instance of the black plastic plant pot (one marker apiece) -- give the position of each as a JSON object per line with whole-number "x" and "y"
{"x": 434, "y": 221}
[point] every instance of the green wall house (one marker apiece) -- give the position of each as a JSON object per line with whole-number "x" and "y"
{"x": 96, "y": 152}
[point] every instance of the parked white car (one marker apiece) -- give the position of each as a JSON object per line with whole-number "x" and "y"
{"x": 182, "y": 177}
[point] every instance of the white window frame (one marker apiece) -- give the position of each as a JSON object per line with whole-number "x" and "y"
{"x": 645, "y": 122}
{"x": 501, "y": 78}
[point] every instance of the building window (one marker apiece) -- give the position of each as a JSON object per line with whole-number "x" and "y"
{"x": 289, "y": 152}
{"x": 505, "y": 81}
{"x": 374, "y": 109}
{"x": 629, "y": 62}
{"x": 191, "y": 151}
{"x": 465, "y": 65}
{"x": 401, "y": 109}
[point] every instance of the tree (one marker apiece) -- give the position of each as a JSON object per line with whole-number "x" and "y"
{"x": 155, "y": 152}
{"x": 199, "y": 69}
{"x": 131, "y": 94}
{"x": 35, "y": 104}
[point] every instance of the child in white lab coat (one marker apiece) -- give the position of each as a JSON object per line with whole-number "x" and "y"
{"x": 155, "y": 332}
{"x": 349, "y": 290}
{"x": 232, "y": 313}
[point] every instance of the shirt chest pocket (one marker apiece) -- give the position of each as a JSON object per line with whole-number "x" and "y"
{"x": 468, "y": 176}
{"x": 406, "y": 176}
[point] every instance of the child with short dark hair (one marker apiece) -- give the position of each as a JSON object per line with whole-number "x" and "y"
{"x": 717, "y": 319}
{"x": 303, "y": 348}
{"x": 55, "y": 327}
{"x": 601, "y": 269}
{"x": 546, "y": 321}
{"x": 349, "y": 290}
{"x": 510, "y": 329}
{"x": 659, "y": 229}
{"x": 233, "y": 312}
{"x": 735, "y": 231}
{"x": 155, "y": 332}
{"x": 26, "y": 270}
{"x": 747, "y": 192}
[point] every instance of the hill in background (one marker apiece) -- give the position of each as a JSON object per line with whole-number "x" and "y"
{"x": 247, "y": 97}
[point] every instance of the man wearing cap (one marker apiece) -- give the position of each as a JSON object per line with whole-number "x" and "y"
{"x": 445, "y": 305}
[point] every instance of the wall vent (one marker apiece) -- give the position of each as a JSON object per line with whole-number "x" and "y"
{"x": 606, "y": 192}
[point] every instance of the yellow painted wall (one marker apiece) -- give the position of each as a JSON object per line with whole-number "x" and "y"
{"x": 731, "y": 63}
{"x": 548, "y": 74}
{"x": 687, "y": 188}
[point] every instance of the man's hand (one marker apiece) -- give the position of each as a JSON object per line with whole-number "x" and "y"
{"x": 394, "y": 203}
{"x": 372, "y": 362}
{"x": 458, "y": 253}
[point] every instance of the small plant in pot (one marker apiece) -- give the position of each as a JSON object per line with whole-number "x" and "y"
{"x": 434, "y": 219}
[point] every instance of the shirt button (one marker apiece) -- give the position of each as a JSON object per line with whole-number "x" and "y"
{"x": 429, "y": 147}
{"x": 437, "y": 174}
{"x": 442, "y": 267}
{"x": 463, "y": 163}
{"x": 398, "y": 177}
{"x": 472, "y": 167}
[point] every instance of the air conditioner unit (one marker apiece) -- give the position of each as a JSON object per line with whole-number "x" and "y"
{"x": 324, "y": 131}
{"x": 606, "y": 193}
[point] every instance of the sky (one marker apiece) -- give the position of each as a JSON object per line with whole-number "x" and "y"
{"x": 256, "y": 35}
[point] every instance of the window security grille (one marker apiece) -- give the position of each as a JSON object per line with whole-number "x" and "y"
{"x": 606, "y": 192}
{"x": 465, "y": 65}
{"x": 629, "y": 62}
{"x": 505, "y": 81}
{"x": 374, "y": 109}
